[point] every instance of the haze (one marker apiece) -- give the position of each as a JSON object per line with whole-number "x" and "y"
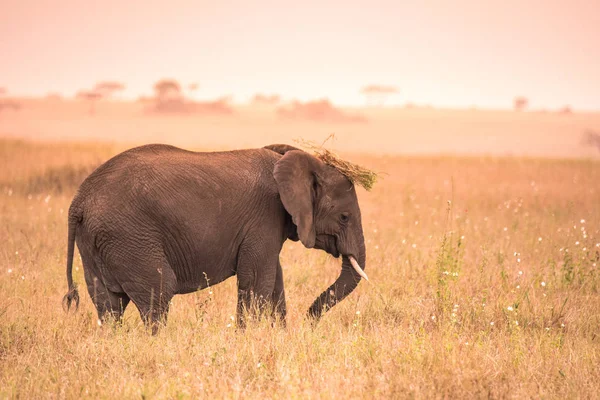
{"x": 448, "y": 54}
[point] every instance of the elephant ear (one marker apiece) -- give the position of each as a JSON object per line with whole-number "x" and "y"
{"x": 296, "y": 177}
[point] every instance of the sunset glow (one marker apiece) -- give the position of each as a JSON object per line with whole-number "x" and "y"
{"x": 449, "y": 54}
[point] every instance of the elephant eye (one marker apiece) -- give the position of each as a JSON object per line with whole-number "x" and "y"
{"x": 344, "y": 217}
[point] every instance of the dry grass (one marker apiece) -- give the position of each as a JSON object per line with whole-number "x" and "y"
{"x": 357, "y": 174}
{"x": 495, "y": 295}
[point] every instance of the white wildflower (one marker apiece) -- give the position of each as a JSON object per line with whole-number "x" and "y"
{"x": 509, "y": 308}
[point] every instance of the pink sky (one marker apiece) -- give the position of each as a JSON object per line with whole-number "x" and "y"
{"x": 452, "y": 53}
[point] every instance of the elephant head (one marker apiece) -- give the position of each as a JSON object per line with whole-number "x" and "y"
{"x": 324, "y": 207}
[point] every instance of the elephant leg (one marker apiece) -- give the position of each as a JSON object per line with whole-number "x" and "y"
{"x": 151, "y": 284}
{"x": 279, "y": 296}
{"x": 108, "y": 304}
{"x": 256, "y": 273}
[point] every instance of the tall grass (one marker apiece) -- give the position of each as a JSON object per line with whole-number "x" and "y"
{"x": 493, "y": 294}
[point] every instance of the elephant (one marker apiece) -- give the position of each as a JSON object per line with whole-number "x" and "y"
{"x": 157, "y": 220}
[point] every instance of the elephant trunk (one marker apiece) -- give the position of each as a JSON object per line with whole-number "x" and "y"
{"x": 344, "y": 284}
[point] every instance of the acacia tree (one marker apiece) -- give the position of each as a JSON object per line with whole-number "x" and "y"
{"x": 109, "y": 88}
{"x": 168, "y": 96}
{"x": 167, "y": 89}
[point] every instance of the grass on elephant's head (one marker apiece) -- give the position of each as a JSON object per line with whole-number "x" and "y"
{"x": 357, "y": 174}
{"x": 495, "y": 296}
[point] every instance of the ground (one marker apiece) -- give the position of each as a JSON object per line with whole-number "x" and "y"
{"x": 485, "y": 279}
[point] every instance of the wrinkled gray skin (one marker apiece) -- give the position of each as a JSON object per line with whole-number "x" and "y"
{"x": 156, "y": 221}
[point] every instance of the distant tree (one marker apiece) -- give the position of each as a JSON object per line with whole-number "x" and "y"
{"x": 520, "y": 103}
{"x": 167, "y": 89}
{"x": 168, "y": 97}
{"x": 90, "y": 96}
{"x": 378, "y": 94}
{"x": 108, "y": 89}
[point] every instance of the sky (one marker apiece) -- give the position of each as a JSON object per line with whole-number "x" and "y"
{"x": 446, "y": 53}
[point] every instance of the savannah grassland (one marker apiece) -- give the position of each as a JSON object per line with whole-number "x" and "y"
{"x": 485, "y": 280}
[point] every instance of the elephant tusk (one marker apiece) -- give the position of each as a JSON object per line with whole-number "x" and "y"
{"x": 357, "y": 268}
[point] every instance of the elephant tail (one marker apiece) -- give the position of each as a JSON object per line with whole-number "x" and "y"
{"x": 73, "y": 293}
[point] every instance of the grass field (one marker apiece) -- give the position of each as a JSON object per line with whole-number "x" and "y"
{"x": 485, "y": 281}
